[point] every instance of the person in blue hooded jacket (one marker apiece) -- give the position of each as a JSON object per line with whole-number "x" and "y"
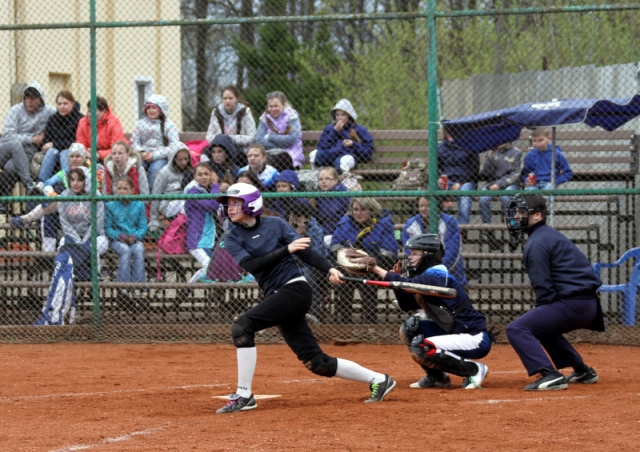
{"x": 448, "y": 232}
{"x": 366, "y": 226}
{"x": 221, "y": 155}
{"x": 343, "y": 143}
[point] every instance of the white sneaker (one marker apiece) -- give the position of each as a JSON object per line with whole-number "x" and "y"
{"x": 475, "y": 381}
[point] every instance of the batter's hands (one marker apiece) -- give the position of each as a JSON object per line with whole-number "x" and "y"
{"x": 397, "y": 268}
{"x": 299, "y": 245}
{"x": 334, "y": 276}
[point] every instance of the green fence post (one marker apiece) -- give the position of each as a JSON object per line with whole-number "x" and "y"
{"x": 432, "y": 93}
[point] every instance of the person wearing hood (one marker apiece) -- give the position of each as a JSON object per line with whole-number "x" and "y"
{"x": 343, "y": 143}
{"x": 123, "y": 161}
{"x": 169, "y": 181}
{"x": 109, "y": 128}
{"x": 154, "y": 135}
{"x": 220, "y": 156}
{"x": 23, "y": 132}
{"x": 233, "y": 118}
{"x": 280, "y": 132}
{"x": 368, "y": 227}
{"x": 287, "y": 182}
{"x": 59, "y": 134}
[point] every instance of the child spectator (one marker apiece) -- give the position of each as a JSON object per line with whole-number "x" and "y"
{"x": 59, "y": 134}
{"x": 330, "y": 210}
{"x": 448, "y": 232}
{"x": 233, "y": 118}
{"x": 538, "y": 162}
{"x": 280, "y": 132}
{"x": 257, "y": 157}
{"x": 202, "y": 214}
{"x": 109, "y": 128}
{"x": 247, "y": 177}
{"x": 461, "y": 168}
{"x": 126, "y": 225}
{"x": 286, "y": 182}
{"x": 344, "y": 143}
{"x": 154, "y": 135}
{"x": 221, "y": 156}
{"x": 169, "y": 181}
{"x": 124, "y": 162}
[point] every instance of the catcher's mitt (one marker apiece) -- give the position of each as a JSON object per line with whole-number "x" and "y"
{"x": 356, "y": 262}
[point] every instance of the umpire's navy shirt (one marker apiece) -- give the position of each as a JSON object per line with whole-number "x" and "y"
{"x": 558, "y": 270}
{"x": 266, "y": 236}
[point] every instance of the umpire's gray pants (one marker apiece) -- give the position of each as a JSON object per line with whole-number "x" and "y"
{"x": 17, "y": 156}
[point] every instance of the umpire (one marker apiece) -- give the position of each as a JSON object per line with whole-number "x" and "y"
{"x": 565, "y": 287}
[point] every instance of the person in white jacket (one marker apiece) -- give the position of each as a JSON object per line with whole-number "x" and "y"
{"x": 233, "y": 117}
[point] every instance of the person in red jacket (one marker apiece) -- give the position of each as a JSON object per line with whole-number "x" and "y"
{"x": 109, "y": 128}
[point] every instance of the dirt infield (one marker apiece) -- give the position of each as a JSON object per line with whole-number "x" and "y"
{"x": 112, "y": 397}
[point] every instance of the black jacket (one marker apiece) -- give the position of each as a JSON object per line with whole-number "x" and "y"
{"x": 61, "y": 130}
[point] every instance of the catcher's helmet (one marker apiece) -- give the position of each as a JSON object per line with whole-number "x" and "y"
{"x": 250, "y": 195}
{"x": 524, "y": 205}
{"x": 432, "y": 252}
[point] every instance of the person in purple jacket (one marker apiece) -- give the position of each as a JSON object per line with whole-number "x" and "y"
{"x": 343, "y": 143}
{"x": 202, "y": 213}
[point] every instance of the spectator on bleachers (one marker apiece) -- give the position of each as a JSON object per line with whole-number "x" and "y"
{"x": 301, "y": 216}
{"x": 23, "y": 133}
{"x": 47, "y": 212}
{"x": 461, "y": 169}
{"x": 154, "y": 135}
{"x": 501, "y": 169}
{"x": 233, "y": 117}
{"x": 538, "y": 162}
{"x": 343, "y": 143}
{"x": 287, "y": 182}
{"x": 280, "y": 132}
{"x": 109, "y": 128}
{"x": 257, "y": 157}
{"x": 248, "y": 177}
{"x": 330, "y": 210}
{"x": 202, "y": 214}
{"x": 449, "y": 233}
{"x": 367, "y": 226}
{"x": 123, "y": 161}
{"x": 59, "y": 134}
{"x": 126, "y": 225}
{"x": 169, "y": 181}
{"x": 220, "y": 156}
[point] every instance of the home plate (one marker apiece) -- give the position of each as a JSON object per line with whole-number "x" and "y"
{"x": 257, "y": 397}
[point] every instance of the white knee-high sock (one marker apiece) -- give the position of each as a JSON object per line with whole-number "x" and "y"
{"x": 247, "y": 358}
{"x": 354, "y": 371}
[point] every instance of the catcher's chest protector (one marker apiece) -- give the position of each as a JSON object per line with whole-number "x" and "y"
{"x": 442, "y": 315}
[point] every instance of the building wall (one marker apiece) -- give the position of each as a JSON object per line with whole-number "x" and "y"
{"x": 60, "y": 59}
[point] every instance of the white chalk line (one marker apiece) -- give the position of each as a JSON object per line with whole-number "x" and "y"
{"x": 256, "y": 396}
{"x": 543, "y": 399}
{"x": 115, "y": 439}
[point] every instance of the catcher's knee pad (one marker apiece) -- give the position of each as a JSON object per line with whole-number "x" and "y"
{"x": 323, "y": 365}
{"x": 242, "y": 332}
{"x": 409, "y": 329}
{"x": 426, "y": 354}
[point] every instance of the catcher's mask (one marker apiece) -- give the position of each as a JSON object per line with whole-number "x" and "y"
{"x": 432, "y": 252}
{"x": 518, "y": 212}
{"x": 250, "y": 195}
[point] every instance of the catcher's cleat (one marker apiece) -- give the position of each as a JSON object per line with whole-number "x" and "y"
{"x": 238, "y": 403}
{"x": 551, "y": 381}
{"x": 380, "y": 390}
{"x": 429, "y": 382}
{"x": 475, "y": 381}
{"x": 589, "y": 377}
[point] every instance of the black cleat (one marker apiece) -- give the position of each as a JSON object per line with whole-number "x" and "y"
{"x": 589, "y": 377}
{"x": 550, "y": 382}
{"x": 380, "y": 390}
{"x": 429, "y": 382}
{"x": 238, "y": 403}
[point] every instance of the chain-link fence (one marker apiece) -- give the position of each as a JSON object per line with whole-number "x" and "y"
{"x": 388, "y": 118}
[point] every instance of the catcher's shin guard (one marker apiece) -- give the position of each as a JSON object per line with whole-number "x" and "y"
{"x": 426, "y": 354}
{"x": 409, "y": 329}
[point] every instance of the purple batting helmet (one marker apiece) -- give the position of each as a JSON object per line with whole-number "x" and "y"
{"x": 251, "y": 196}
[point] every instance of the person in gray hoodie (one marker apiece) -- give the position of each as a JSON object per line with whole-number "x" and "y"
{"x": 169, "y": 181}
{"x": 23, "y": 132}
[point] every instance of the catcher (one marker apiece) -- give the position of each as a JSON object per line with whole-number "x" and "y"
{"x": 456, "y": 332}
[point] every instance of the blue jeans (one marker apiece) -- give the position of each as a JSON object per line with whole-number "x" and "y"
{"x": 152, "y": 169}
{"x": 544, "y": 186}
{"x": 485, "y": 203}
{"x": 464, "y": 203}
{"x": 128, "y": 254}
{"x": 49, "y": 163}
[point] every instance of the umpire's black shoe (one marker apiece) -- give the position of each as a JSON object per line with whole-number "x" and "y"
{"x": 429, "y": 382}
{"x": 238, "y": 403}
{"x": 551, "y": 381}
{"x": 379, "y": 390}
{"x": 589, "y": 377}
